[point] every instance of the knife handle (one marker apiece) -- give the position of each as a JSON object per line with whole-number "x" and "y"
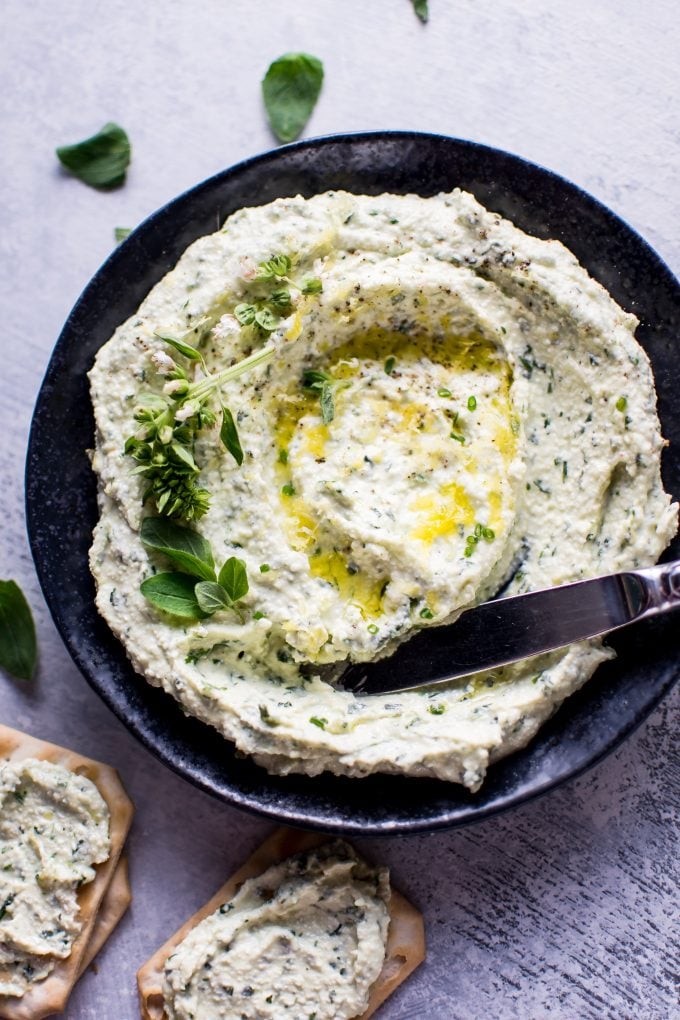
{"x": 661, "y": 587}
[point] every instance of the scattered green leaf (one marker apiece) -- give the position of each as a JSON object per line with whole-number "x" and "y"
{"x": 312, "y": 286}
{"x": 290, "y": 89}
{"x": 18, "y": 650}
{"x": 421, "y": 9}
{"x": 321, "y": 723}
{"x": 120, "y": 233}
{"x": 100, "y": 161}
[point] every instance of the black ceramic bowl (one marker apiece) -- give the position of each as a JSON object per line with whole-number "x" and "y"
{"x": 60, "y": 487}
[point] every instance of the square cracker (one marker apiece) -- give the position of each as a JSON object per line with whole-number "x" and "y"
{"x": 404, "y": 951}
{"x": 51, "y": 995}
{"x": 117, "y": 899}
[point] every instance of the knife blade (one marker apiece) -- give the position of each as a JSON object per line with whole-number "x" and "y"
{"x": 508, "y": 629}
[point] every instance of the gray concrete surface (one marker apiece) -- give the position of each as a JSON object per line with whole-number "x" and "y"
{"x": 566, "y": 908}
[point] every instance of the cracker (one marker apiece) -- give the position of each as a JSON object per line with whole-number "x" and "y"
{"x": 405, "y": 948}
{"x": 51, "y": 995}
{"x": 117, "y": 899}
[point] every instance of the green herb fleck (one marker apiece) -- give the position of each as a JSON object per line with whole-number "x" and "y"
{"x": 266, "y": 718}
{"x": 389, "y": 364}
{"x": 459, "y": 439}
{"x": 312, "y": 286}
{"x": 120, "y": 233}
{"x": 621, "y": 404}
{"x": 372, "y": 628}
{"x": 283, "y": 456}
{"x": 288, "y": 489}
{"x": 472, "y": 403}
{"x": 264, "y": 568}
{"x": 258, "y": 615}
{"x": 426, "y": 613}
{"x": 321, "y": 723}
{"x": 443, "y": 392}
{"x": 438, "y": 709}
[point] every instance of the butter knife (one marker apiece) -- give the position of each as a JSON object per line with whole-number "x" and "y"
{"x": 508, "y": 629}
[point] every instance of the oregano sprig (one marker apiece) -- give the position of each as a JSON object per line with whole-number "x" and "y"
{"x": 195, "y": 590}
{"x": 169, "y": 424}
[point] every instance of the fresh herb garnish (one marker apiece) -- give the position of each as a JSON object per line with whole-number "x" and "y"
{"x": 288, "y": 489}
{"x": 372, "y": 628}
{"x": 18, "y": 649}
{"x": 173, "y": 593}
{"x": 421, "y": 9}
{"x": 426, "y": 613}
{"x": 324, "y": 385}
{"x": 321, "y": 723}
{"x": 100, "y": 161}
{"x": 264, "y": 568}
{"x": 120, "y": 233}
{"x": 197, "y": 591}
{"x": 443, "y": 392}
{"x": 472, "y": 403}
{"x": 389, "y": 364}
{"x": 312, "y": 286}
{"x": 186, "y": 548}
{"x": 459, "y": 439}
{"x": 229, "y": 435}
{"x": 621, "y": 404}
{"x": 438, "y": 709}
{"x": 169, "y": 424}
{"x": 290, "y": 89}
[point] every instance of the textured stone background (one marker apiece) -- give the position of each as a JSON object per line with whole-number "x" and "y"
{"x": 565, "y": 907}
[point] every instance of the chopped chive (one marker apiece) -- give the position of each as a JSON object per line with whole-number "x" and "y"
{"x": 459, "y": 439}
{"x": 288, "y": 489}
{"x": 283, "y": 456}
{"x": 468, "y": 550}
{"x": 489, "y": 534}
{"x": 472, "y": 403}
{"x": 436, "y": 709}
{"x": 372, "y": 628}
{"x": 389, "y": 364}
{"x": 478, "y": 530}
{"x": 426, "y": 613}
{"x": 621, "y": 404}
{"x": 264, "y": 568}
{"x": 443, "y": 392}
{"x": 321, "y": 723}
{"x": 258, "y": 615}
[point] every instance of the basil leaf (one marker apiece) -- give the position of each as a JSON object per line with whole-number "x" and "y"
{"x": 186, "y": 349}
{"x": 234, "y": 578}
{"x": 100, "y": 161}
{"x": 18, "y": 650}
{"x": 173, "y": 593}
{"x": 327, "y": 406}
{"x": 186, "y": 548}
{"x": 290, "y": 89}
{"x": 420, "y": 7}
{"x": 229, "y": 435}
{"x": 211, "y": 597}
